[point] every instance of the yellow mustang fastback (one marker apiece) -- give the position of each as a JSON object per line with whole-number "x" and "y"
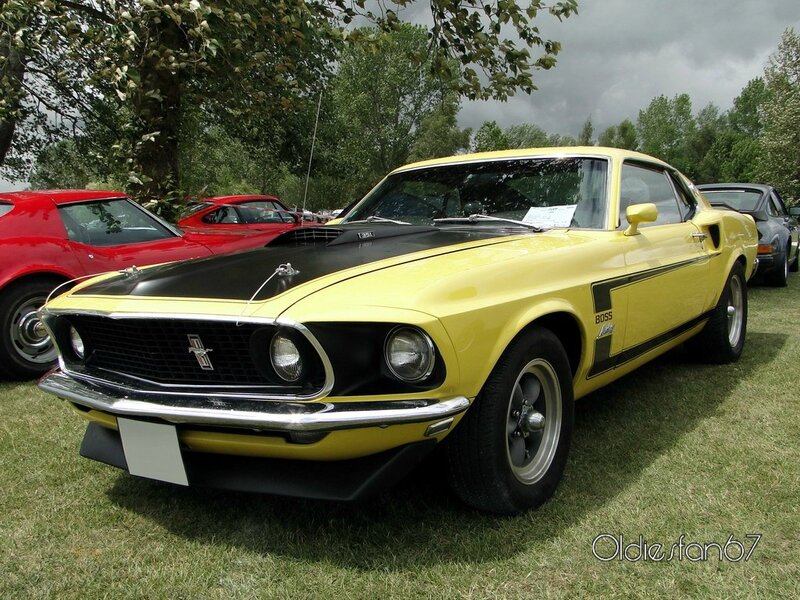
{"x": 466, "y": 301}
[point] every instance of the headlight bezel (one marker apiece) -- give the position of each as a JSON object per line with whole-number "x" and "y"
{"x": 281, "y": 337}
{"x": 429, "y": 350}
{"x": 76, "y": 344}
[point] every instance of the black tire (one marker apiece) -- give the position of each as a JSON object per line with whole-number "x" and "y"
{"x": 795, "y": 266}
{"x": 779, "y": 276}
{"x": 508, "y": 453}
{"x": 722, "y": 339}
{"x": 24, "y": 352}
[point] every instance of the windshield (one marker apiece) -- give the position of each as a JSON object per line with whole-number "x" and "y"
{"x": 545, "y": 192}
{"x": 736, "y": 199}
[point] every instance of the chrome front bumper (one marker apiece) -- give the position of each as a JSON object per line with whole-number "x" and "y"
{"x": 268, "y": 416}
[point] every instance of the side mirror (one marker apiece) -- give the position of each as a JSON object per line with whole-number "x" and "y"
{"x": 795, "y": 211}
{"x": 639, "y": 213}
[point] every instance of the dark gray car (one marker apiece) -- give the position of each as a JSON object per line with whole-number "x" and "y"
{"x": 777, "y": 226}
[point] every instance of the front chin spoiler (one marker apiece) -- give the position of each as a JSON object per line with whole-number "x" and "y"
{"x": 354, "y": 479}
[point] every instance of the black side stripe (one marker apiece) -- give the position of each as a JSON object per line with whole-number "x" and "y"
{"x": 601, "y": 290}
{"x": 601, "y": 297}
{"x": 603, "y": 362}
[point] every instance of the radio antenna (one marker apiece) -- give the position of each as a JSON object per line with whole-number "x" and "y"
{"x": 311, "y": 156}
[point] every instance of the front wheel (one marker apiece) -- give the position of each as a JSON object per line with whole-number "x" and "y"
{"x": 510, "y": 450}
{"x": 722, "y": 339}
{"x": 26, "y": 349}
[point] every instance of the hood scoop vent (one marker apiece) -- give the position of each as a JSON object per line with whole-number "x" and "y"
{"x": 306, "y": 236}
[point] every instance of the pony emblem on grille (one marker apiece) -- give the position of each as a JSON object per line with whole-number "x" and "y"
{"x": 200, "y": 352}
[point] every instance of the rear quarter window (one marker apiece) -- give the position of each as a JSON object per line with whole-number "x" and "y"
{"x": 5, "y": 208}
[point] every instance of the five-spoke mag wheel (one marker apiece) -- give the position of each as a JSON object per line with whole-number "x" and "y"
{"x": 533, "y": 424}
{"x": 509, "y": 451}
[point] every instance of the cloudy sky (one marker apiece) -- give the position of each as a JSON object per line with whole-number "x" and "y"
{"x": 617, "y": 55}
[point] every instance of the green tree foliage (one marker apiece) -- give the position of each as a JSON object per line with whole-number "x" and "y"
{"x": 780, "y": 160}
{"x": 380, "y": 99}
{"x": 664, "y": 129}
{"x": 439, "y": 135}
{"x": 745, "y": 115}
{"x": 620, "y": 136}
{"x": 525, "y": 135}
{"x": 710, "y": 125}
{"x": 489, "y": 137}
{"x": 60, "y": 165}
{"x": 247, "y": 64}
{"x": 585, "y": 136}
{"x": 735, "y": 153}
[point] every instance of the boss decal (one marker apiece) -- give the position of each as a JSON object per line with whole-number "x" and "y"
{"x": 603, "y": 317}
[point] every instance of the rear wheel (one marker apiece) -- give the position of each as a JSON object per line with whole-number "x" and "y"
{"x": 509, "y": 452}
{"x": 779, "y": 276}
{"x": 722, "y": 339}
{"x": 26, "y": 350}
{"x": 795, "y": 266}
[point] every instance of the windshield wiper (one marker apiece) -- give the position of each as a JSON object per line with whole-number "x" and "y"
{"x": 376, "y": 219}
{"x": 476, "y": 218}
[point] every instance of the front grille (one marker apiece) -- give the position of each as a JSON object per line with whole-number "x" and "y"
{"x": 158, "y": 350}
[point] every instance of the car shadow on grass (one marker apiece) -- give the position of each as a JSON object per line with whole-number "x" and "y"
{"x": 619, "y": 431}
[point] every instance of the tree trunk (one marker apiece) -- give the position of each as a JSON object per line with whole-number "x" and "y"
{"x": 12, "y": 72}
{"x": 157, "y": 104}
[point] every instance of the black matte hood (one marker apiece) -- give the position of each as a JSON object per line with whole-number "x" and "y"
{"x": 313, "y": 252}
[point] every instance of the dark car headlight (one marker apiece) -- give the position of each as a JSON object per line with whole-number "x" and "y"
{"x": 409, "y": 354}
{"x": 285, "y": 358}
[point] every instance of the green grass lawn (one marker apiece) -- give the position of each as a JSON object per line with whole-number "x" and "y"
{"x": 673, "y": 450}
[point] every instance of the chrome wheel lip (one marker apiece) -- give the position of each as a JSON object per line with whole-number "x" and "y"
{"x": 735, "y": 311}
{"x": 26, "y": 334}
{"x": 550, "y": 394}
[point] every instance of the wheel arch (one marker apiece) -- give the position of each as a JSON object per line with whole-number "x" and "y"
{"x": 566, "y": 327}
{"x": 558, "y": 317}
{"x": 55, "y": 276}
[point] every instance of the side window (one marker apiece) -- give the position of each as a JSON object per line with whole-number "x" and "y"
{"x": 223, "y": 215}
{"x": 641, "y": 185}
{"x": 778, "y": 205}
{"x": 771, "y": 208}
{"x": 213, "y": 217}
{"x": 686, "y": 202}
{"x": 110, "y": 223}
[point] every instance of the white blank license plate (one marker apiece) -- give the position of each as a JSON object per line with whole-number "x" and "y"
{"x": 152, "y": 451}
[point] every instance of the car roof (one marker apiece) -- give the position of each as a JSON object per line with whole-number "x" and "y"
{"x": 599, "y": 151}
{"x": 236, "y": 199}
{"x": 58, "y": 196}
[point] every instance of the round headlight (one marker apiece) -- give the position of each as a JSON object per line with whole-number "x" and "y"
{"x": 285, "y": 358}
{"x": 409, "y": 354}
{"x": 76, "y": 342}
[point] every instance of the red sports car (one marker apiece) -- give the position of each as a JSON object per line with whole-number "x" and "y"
{"x": 50, "y": 237}
{"x": 234, "y": 213}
